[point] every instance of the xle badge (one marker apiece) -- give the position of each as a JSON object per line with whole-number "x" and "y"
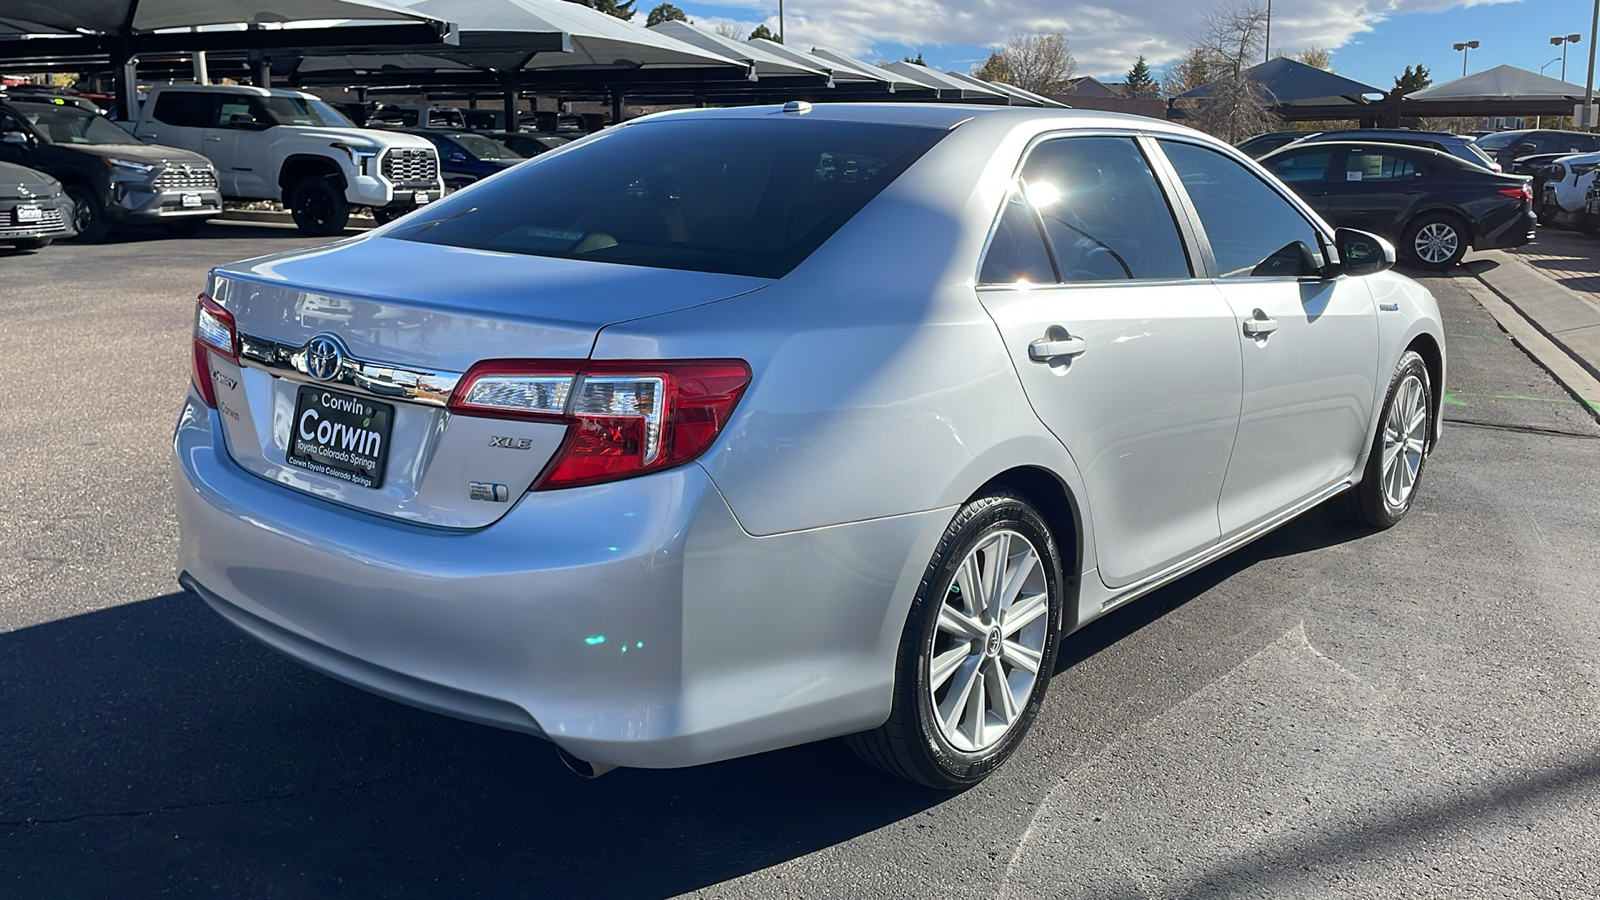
{"x": 483, "y": 490}
{"x": 511, "y": 443}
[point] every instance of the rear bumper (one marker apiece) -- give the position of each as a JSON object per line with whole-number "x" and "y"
{"x": 1511, "y": 229}
{"x": 633, "y": 624}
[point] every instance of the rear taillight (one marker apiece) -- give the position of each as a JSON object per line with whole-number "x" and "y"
{"x": 214, "y": 332}
{"x": 1521, "y": 193}
{"x": 623, "y": 418}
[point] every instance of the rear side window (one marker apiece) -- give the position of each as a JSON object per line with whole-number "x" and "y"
{"x": 187, "y": 109}
{"x": 739, "y": 196}
{"x": 1250, "y": 225}
{"x": 1364, "y": 165}
{"x": 1017, "y": 253}
{"x": 1104, "y": 213}
{"x": 1301, "y": 168}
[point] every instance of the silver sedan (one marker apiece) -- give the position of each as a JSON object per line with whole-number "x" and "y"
{"x": 727, "y": 430}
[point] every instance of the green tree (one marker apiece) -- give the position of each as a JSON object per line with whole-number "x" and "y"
{"x": 762, "y": 31}
{"x": 622, "y": 10}
{"x": 666, "y": 12}
{"x": 1140, "y": 82}
{"x": 915, "y": 61}
{"x": 1412, "y": 80}
{"x": 993, "y": 68}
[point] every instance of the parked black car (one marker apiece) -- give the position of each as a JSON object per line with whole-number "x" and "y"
{"x": 465, "y": 156}
{"x": 1462, "y": 148}
{"x": 1508, "y": 146}
{"x": 1431, "y": 204}
{"x": 528, "y": 143}
{"x": 1262, "y": 144}
{"x": 33, "y": 209}
{"x": 1541, "y": 167}
{"x": 112, "y": 177}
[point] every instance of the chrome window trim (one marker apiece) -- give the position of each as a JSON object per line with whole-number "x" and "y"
{"x": 1192, "y": 239}
{"x": 378, "y": 379}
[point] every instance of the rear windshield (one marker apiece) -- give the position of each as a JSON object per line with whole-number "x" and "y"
{"x": 1498, "y": 141}
{"x": 737, "y": 196}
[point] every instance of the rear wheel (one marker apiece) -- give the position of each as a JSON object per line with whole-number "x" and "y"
{"x": 383, "y": 215}
{"x": 319, "y": 207}
{"x": 88, "y": 216}
{"x": 1436, "y": 240}
{"x": 1394, "y": 467}
{"x": 978, "y": 648}
{"x": 31, "y": 244}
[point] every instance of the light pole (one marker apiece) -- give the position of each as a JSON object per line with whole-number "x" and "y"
{"x": 1562, "y": 41}
{"x": 1588, "y": 89}
{"x": 1266, "y": 53}
{"x": 1467, "y": 47}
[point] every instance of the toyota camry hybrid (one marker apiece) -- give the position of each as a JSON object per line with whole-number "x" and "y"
{"x": 726, "y": 430}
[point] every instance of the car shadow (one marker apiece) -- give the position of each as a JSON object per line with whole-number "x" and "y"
{"x": 150, "y": 747}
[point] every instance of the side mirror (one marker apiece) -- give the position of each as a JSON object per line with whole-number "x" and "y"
{"x": 457, "y": 157}
{"x": 1524, "y": 150}
{"x": 1360, "y": 253}
{"x": 17, "y": 138}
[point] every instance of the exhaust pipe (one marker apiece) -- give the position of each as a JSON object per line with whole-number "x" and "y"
{"x": 582, "y": 767}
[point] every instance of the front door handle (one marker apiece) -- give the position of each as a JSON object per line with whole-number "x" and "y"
{"x": 214, "y": 137}
{"x": 1259, "y": 324}
{"x": 1046, "y": 349}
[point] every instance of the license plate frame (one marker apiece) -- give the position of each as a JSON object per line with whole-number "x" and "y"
{"x": 190, "y": 200}
{"x": 28, "y": 214}
{"x": 422, "y": 198}
{"x": 355, "y": 446}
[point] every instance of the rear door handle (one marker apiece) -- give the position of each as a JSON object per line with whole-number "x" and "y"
{"x": 1045, "y": 349}
{"x": 214, "y": 137}
{"x": 1259, "y": 325}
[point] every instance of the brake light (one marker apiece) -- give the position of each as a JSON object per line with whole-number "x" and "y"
{"x": 624, "y": 418}
{"x": 214, "y": 332}
{"x": 1520, "y": 193}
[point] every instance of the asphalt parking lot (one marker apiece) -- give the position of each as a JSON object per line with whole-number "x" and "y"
{"x": 1328, "y": 713}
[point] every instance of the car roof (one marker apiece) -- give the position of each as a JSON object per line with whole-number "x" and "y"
{"x": 1382, "y": 146}
{"x": 932, "y": 115}
{"x": 236, "y": 89}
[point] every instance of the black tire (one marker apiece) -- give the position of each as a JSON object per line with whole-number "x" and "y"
{"x": 1586, "y": 222}
{"x": 185, "y": 228}
{"x": 87, "y": 214}
{"x": 383, "y": 215}
{"x": 1369, "y": 503}
{"x": 31, "y": 244}
{"x": 912, "y": 744}
{"x": 1448, "y": 223}
{"x": 319, "y": 207}
{"x": 1547, "y": 213}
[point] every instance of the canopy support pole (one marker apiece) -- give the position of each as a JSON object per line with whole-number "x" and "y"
{"x": 616, "y": 105}
{"x": 125, "y": 69}
{"x": 512, "y": 89}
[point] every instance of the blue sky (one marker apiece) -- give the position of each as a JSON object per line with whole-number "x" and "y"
{"x": 1372, "y": 40}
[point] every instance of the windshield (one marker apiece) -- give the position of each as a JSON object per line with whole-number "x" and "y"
{"x": 1488, "y": 162}
{"x": 485, "y": 148}
{"x": 72, "y": 125}
{"x": 303, "y": 111}
{"x": 1497, "y": 141}
{"x": 738, "y": 196}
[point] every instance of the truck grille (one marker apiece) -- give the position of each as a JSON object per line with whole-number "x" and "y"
{"x": 408, "y": 166}
{"x": 188, "y": 178}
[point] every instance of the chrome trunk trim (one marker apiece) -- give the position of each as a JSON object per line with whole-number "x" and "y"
{"x": 379, "y": 379}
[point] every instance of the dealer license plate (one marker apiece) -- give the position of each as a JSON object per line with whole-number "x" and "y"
{"x": 423, "y": 199}
{"x": 191, "y": 201}
{"x": 28, "y": 214}
{"x": 340, "y": 435}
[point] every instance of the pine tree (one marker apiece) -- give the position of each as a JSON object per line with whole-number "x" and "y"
{"x": 1412, "y": 80}
{"x": 623, "y": 10}
{"x": 915, "y": 61}
{"x": 762, "y": 31}
{"x": 1140, "y": 82}
{"x": 666, "y": 12}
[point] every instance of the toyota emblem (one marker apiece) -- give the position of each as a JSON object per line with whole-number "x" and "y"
{"x": 324, "y": 357}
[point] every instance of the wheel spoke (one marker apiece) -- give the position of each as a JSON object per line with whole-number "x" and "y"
{"x": 951, "y": 621}
{"x": 978, "y": 709}
{"x": 966, "y": 583}
{"x": 1020, "y": 656}
{"x": 995, "y": 553}
{"x": 946, "y": 664}
{"x": 1002, "y": 700}
{"x": 1016, "y": 577}
{"x": 955, "y": 702}
{"x": 1025, "y": 610}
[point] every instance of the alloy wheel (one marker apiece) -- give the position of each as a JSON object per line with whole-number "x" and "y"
{"x": 1436, "y": 242}
{"x": 989, "y": 642}
{"x": 1405, "y": 434}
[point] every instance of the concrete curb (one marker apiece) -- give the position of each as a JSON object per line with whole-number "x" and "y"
{"x": 1551, "y": 323}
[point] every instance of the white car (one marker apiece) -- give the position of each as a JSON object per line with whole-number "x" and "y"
{"x": 275, "y": 144}
{"x": 1566, "y": 188}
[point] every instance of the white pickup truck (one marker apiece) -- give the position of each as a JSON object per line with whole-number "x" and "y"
{"x": 275, "y": 144}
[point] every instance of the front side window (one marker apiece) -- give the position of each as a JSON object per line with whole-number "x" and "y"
{"x": 1305, "y": 167}
{"x": 1366, "y": 165}
{"x": 1252, "y": 228}
{"x": 1103, "y": 211}
{"x": 301, "y": 111}
{"x": 738, "y": 196}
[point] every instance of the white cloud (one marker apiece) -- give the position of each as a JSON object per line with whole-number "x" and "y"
{"x": 1105, "y": 35}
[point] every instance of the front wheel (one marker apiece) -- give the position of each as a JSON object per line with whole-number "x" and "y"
{"x": 1394, "y": 467}
{"x": 383, "y": 215}
{"x": 977, "y": 651}
{"x": 88, "y": 217}
{"x": 319, "y": 207}
{"x": 1436, "y": 240}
